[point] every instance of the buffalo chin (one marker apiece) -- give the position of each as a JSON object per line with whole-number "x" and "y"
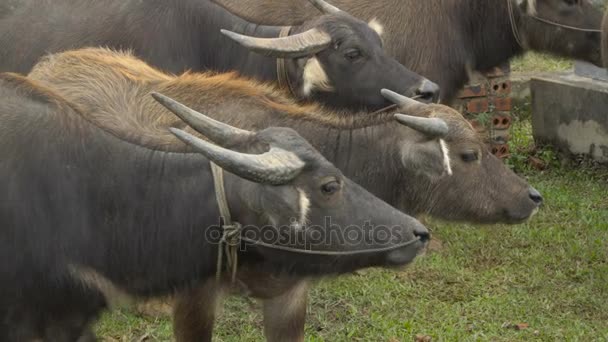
{"x": 403, "y": 256}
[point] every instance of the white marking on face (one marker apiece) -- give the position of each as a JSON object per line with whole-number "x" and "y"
{"x": 375, "y": 25}
{"x": 446, "y": 157}
{"x": 304, "y": 208}
{"x": 315, "y": 77}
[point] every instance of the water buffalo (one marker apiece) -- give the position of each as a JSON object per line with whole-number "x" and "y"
{"x": 334, "y": 58}
{"x": 444, "y": 40}
{"x": 90, "y": 211}
{"x": 387, "y": 159}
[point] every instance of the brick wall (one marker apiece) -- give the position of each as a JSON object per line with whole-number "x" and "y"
{"x": 486, "y": 102}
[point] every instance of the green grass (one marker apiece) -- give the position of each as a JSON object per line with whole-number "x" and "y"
{"x": 537, "y": 62}
{"x": 550, "y": 273}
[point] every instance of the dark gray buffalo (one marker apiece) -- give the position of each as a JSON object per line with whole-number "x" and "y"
{"x": 92, "y": 206}
{"x": 333, "y": 58}
{"x": 388, "y": 159}
{"x": 444, "y": 40}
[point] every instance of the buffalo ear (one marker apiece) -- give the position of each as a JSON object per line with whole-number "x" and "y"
{"x": 429, "y": 158}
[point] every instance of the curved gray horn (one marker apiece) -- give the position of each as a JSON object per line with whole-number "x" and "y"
{"x": 216, "y": 131}
{"x": 431, "y": 127}
{"x": 275, "y": 167}
{"x": 404, "y": 102}
{"x": 324, "y": 7}
{"x": 299, "y": 45}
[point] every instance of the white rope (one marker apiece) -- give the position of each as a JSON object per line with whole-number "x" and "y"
{"x": 547, "y": 21}
{"x": 231, "y": 231}
{"x": 515, "y": 28}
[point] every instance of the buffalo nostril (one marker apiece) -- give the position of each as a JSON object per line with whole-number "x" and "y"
{"x": 428, "y": 92}
{"x": 423, "y": 235}
{"x": 535, "y": 196}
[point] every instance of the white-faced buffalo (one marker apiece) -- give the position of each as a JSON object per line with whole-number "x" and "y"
{"x": 386, "y": 158}
{"x": 444, "y": 40}
{"x": 333, "y": 58}
{"x": 93, "y": 205}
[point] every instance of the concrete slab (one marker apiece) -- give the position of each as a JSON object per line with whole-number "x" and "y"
{"x": 520, "y": 84}
{"x": 571, "y": 112}
{"x": 585, "y": 69}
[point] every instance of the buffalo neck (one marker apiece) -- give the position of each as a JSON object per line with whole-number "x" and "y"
{"x": 222, "y": 53}
{"x": 140, "y": 215}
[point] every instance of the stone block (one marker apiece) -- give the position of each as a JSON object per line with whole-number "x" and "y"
{"x": 585, "y": 69}
{"x": 571, "y": 112}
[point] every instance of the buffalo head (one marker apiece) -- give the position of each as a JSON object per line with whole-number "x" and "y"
{"x": 287, "y": 194}
{"x": 568, "y": 28}
{"x": 340, "y": 60}
{"x": 479, "y": 189}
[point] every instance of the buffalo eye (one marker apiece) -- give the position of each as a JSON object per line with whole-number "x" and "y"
{"x": 352, "y": 54}
{"x": 469, "y": 157}
{"x": 331, "y": 187}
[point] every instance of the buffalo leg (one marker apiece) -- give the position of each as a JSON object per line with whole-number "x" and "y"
{"x": 285, "y": 315}
{"x": 194, "y": 312}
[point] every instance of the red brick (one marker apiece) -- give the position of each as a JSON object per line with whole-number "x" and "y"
{"x": 479, "y": 128}
{"x": 501, "y": 121}
{"x": 476, "y": 90}
{"x": 500, "y": 150}
{"x": 503, "y": 104}
{"x": 478, "y": 105}
{"x": 500, "y": 136}
{"x": 500, "y": 87}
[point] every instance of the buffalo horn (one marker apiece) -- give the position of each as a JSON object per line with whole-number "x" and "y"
{"x": 324, "y": 7}
{"x": 276, "y": 167}
{"x": 299, "y": 45}
{"x": 216, "y": 131}
{"x": 431, "y": 127}
{"x": 404, "y": 102}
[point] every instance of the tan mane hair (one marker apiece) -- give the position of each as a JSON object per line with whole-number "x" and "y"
{"x": 113, "y": 87}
